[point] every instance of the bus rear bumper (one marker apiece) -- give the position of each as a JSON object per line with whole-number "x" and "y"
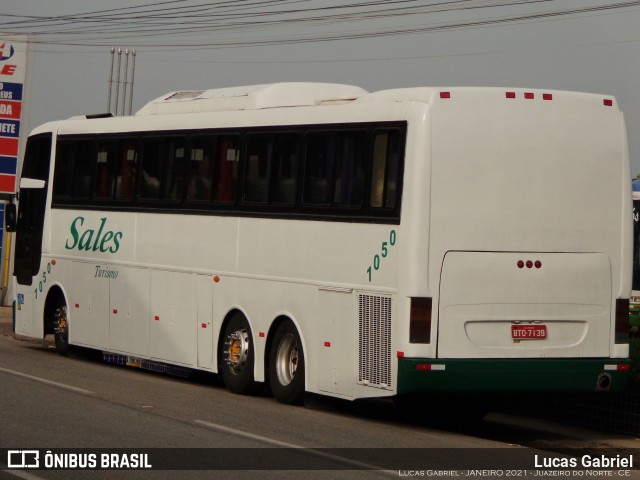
{"x": 422, "y": 375}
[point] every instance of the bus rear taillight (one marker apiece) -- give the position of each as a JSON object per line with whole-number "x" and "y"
{"x": 622, "y": 320}
{"x": 420, "y": 320}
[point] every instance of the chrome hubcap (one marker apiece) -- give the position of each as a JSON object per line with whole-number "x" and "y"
{"x": 237, "y": 350}
{"x": 287, "y": 359}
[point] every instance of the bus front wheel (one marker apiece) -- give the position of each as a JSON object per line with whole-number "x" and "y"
{"x": 61, "y": 328}
{"x": 286, "y": 365}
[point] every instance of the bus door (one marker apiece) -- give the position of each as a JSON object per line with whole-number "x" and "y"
{"x": 32, "y": 204}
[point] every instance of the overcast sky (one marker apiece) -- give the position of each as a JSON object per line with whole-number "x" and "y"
{"x": 581, "y": 45}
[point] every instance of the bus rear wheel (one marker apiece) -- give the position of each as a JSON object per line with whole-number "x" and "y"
{"x": 61, "y": 328}
{"x": 286, "y": 365}
{"x": 237, "y": 356}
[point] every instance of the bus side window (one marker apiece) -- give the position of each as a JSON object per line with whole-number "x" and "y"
{"x": 284, "y": 170}
{"x": 83, "y": 169}
{"x": 105, "y": 169}
{"x": 348, "y": 187}
{"x": 73, "y": 169}
{"x": 258, "y": 150}
{"x": 125, "y": 183}
{"x": 384, "y": 175}
{"x": 225, "y": 175}
{"x": 271, "y": 168}
{"x": 319, "y": 165}
{"x": 201, "y": 168}
{"x": 63, "y": 175}
{"x": 175, "y": 170}
{"x": 335, "y": 169}
{"x": 151, "y": 169}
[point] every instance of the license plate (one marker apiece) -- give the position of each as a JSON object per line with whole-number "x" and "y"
{"x": 528, "y": 332}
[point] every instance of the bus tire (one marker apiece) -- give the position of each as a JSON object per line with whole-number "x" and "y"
{"x": 286, "y": 365}
{"x": 237, "y": 356}
{"x": 61, "y": 328}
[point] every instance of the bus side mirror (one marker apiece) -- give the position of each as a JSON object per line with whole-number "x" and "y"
{"x": 10, "y": 217}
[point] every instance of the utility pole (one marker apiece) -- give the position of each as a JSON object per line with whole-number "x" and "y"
{"x": 133, "y": 72}
{"x": 110, "y": 82}
{"x": 121, "y": 81}
{"x": 118, "y": 79}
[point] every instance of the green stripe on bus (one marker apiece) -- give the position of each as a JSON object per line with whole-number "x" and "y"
{"x": 515, "y": 375}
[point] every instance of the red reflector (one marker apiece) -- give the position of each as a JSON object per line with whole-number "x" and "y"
{"x": 115, "y": 312}
{"x": 327, "y": 344}
{"x": 529, "y": 95}
{"x": 77, "y": 305}
{"x": 624, "y": 368}
{"x": 445, "y": 94}
{"x": 261, "y": 334}
{"x": 510, "y": 94}
{"x": 400, "y": 354}
{"x": 547, "y": 96}
{"x": 538, "y": 264}
{"x": 529, "y": 264}
{"x": 430, "y": 367}
{"x": 608, "y": 102}
{"x": 204, "y": 325}
{"x": 53, "y": 262}
{"x": 156, "y": 318}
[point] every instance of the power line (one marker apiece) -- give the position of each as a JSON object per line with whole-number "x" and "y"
{"x": 164, "y": 22}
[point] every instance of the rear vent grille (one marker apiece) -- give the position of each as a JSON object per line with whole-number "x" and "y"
{"x": 374, "y": 341}
{"x": 185, "y": 95}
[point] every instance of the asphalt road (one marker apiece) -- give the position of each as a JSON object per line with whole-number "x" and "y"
{"x": 79, "y": 402}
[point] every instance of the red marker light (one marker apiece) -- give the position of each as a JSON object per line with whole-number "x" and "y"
{"x": 538, "y": 264}
{"x": 510, "y": 94}
{"x": 520, "y": 264}
{"x": 529, "y": 95}
{"x": 608, "y": 102}
{"x": 547, "y": 96}
{"x": 529, "y": 264}
{"x": 445, "y": 94}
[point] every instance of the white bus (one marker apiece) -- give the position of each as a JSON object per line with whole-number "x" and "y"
{"x": 321, "y": 238}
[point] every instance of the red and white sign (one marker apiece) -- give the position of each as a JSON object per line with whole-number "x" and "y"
{"x": 13, "y": 75}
